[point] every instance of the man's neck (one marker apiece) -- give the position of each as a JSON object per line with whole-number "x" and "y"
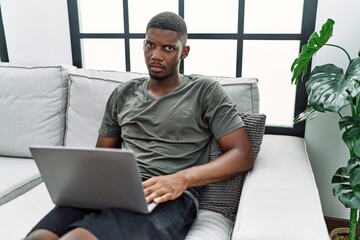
{"x": 159, "y": 88}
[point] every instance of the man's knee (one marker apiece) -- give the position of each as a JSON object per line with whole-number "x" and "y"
{"x": 42, "y": 234}
{"x": 79, "y": 233}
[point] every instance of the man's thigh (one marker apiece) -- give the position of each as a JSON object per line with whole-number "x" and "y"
{"x": 59, "y": 219}
{"x": 170, "y": 220}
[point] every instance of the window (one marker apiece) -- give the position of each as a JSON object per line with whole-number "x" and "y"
{"x": 3, "y": 48}
{"x": 250, "y": 38}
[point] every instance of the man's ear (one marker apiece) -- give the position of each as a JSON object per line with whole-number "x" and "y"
{"x": 185, "y": 52}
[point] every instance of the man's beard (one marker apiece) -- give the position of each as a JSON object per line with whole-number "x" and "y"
{"x": 158, "y": 78}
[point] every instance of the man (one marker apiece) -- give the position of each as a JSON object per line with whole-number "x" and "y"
{"x": 168, "y": 120}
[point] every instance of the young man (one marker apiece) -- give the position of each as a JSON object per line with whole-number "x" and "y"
{"x": 168, "y": 120}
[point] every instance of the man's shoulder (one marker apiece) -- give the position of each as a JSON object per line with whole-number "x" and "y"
{"x": 204, "y": 83}
{"x": 132, "y": 84}
{"x": 202, "y": 80}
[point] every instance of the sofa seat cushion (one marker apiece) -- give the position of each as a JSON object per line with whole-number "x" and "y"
{"x": 279, "y": 190}
{"x": 20, "y": 215}
{"x": 32, "y": 107}
{"x": 280, "y": 199}
{"x": 210, "y": 225}
{"x": 36, "y": 203}
{"x": 18, "y": 175}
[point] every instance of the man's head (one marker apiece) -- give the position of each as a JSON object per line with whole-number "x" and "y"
{"x": 169, "y": 21}
{"x": 165, "y": 45}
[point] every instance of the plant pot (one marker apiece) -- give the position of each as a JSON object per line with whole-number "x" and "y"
{"x": 339, "y": 234}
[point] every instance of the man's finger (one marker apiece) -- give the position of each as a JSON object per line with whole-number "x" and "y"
{"x": 148, "y": 183}
{"x": 155, "y": 194}
{"x": 163, "y": 198}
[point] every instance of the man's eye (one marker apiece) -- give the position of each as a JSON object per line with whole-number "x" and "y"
{"x": 169, "y": 48}
{"x": 149, "y": 45}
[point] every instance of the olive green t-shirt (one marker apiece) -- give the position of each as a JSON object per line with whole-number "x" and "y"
{"x": 171, "y": 133}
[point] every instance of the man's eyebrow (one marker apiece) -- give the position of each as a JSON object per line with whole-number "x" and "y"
{"x": 165, "y": 45}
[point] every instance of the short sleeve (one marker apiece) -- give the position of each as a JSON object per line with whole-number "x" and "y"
{"x": 220, "y": 112}
{"x": 110, "y": 125}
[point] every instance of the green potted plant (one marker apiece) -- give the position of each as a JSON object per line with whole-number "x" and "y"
{"x": 330, "y": 89}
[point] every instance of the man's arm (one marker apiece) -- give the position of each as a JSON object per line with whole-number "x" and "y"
{"x": 107, "y": 142}
{"x": 237, "y": 158}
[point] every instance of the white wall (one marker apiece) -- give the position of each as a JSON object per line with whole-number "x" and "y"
{"x": 327, "y": 151}
{"x": 37, "y": 32}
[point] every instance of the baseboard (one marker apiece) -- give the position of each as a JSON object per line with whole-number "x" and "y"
{"x": 332, "y": 223}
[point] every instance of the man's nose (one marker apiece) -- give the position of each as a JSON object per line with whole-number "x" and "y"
{"x": 157, "y": 54}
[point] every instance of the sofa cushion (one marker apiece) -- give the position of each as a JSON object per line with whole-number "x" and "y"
{"x": 280, "y": 199}
{"x": 210, "y": 225}
{"x": 243, "y": 91}
{"x": 89, "y": 91}
{"x": 32, "y": 107}
{"x": 223, "y": 197}
{"x": 18, "y": 175}
{"x": 20, "y": 215}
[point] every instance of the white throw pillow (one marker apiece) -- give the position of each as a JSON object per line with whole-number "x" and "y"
{"x": 243, "y": 91}
{"x": 32, "y": 107}
{"x": 89, "y": 91}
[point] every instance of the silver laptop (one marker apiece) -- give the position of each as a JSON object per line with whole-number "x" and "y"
{"x": 91, "y": 177}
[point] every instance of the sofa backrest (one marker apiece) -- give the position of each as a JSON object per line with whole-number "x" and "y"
{"x": 62, "y": 105}
{"x": 90, "y": 89}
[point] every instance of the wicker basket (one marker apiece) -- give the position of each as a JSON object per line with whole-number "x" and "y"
{"x": 339, "y": 234}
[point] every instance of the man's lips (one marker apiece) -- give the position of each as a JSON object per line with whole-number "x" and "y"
{"x": 156, "y": 67}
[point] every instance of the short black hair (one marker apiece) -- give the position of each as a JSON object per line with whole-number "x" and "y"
{"x": 169, "y": 21}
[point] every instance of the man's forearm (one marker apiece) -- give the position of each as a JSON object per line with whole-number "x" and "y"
{"x": 224, "y": 167}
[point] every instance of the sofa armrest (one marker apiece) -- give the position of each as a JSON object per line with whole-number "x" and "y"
{"x": 280, "y": 199}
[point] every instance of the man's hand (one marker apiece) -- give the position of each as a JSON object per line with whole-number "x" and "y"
{"x": 164, "y": 188}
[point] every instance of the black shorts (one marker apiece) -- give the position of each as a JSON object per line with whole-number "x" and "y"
{"x": 169, "y": 220}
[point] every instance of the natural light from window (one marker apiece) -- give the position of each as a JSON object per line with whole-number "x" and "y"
{"x": 211, "y": 57}
{"x": 264, "y": 16}
{"x": 104, "y": 54}
{"x": 105, "y": 16}
{"x": 270, "y": 62}
{"x": 214, "y": 17}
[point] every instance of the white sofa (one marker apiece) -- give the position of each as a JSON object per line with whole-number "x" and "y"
{"x": 62, "y": 105}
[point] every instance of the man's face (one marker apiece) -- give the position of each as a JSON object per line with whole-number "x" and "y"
{"x": 163, "y": 52}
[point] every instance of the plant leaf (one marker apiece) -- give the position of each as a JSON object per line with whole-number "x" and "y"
{"x": 316, "y": 41}
{"x": 341, "y": 188}
{"x": 349, "y": 200}
{"x": 331, "y": 90}
{"x": 355, "y": 178}
{"x": 341, "y": 176}
{"x": 353, "y": 163}
{"x": 351, "y": 137}
{"x": 356, "y": 190}
{"x": 355, "y": 181}
{"x": 346, "y": 121}
{"x": 339, "y": 179}
{"x": 309, "y": 113}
